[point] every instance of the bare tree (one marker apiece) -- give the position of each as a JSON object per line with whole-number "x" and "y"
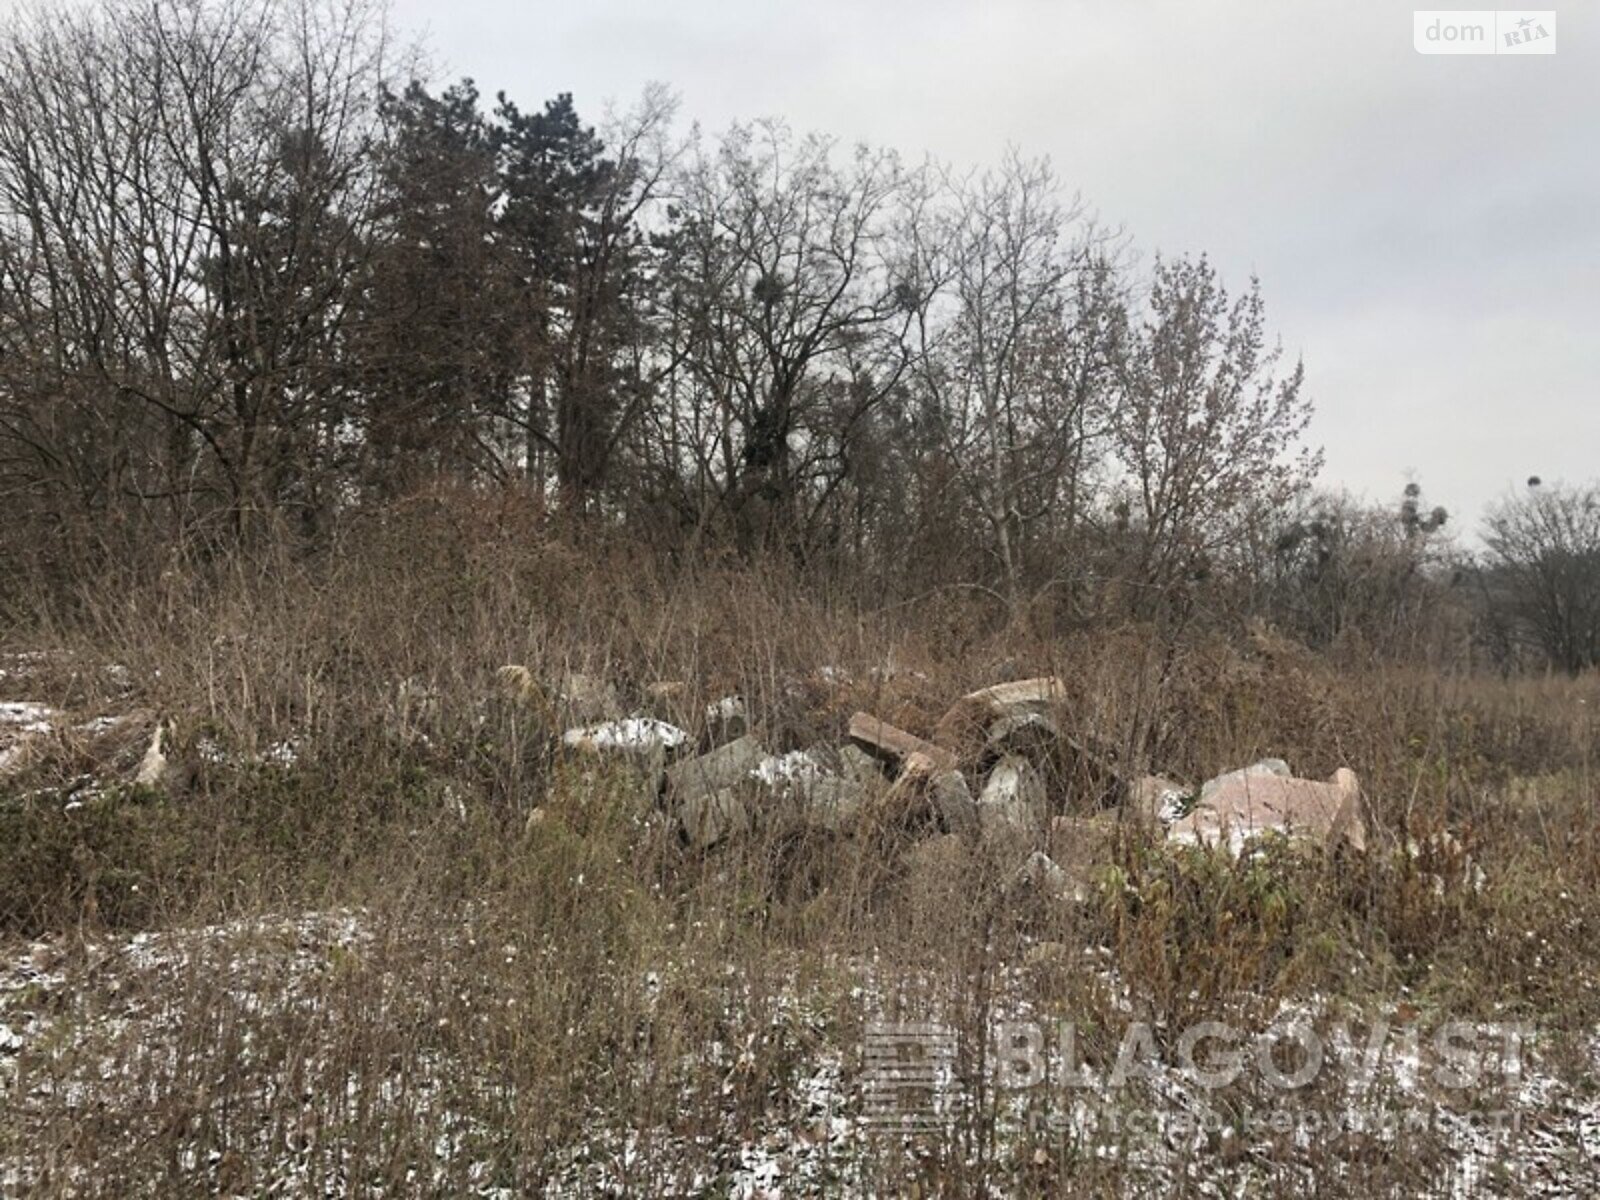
{"x": 1017, "y": 350}
{"x": 1337, "y": 568}
{"x": 186, "y": 199}
{"x": 1544, "y": 572}
{"x": 1205, "y": 428}
{"x": 787, "y": 321}
{"x": 241, "y": 281}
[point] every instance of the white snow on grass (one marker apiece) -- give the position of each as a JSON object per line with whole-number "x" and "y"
{"x": 281, "y": 754}
{"x": 797, "y": 766}
{"x": 805, "y": 1132}
{"x": 726, "y": 709}
{"x": 24, "y": 716}
{"x": 20, "y": 665}
{"x": 631, "y": 733}
{"x": 20, "y": 722}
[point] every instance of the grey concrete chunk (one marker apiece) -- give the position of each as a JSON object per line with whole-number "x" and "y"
{"x": 1013, "y": 799}
{"x": 963, "y": 727}
{"x": 831, "y": 803}
{"x": 1267, "y": 766}
{"x": 1034, "y": 734}
{"x": 1246, "y": 804}
{"x": 724, "y": 767}
{"x": 856, "y": 764}
{"x": 952, "y": 800}
{"x": 888, "y": 744}
{"x": 715, "y": 816}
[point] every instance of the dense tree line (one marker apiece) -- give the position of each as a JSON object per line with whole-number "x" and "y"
{"x": 254, "y": 276}
{"x": 247, "y": 276}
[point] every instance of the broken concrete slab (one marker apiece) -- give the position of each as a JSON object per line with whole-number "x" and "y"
{"x": 856, "y": 764}
{"x": 1266, "y": 766}
{"x": 965, "y": 725}
{"x": 1044, "y": 689}
{"x": 813, "y": 789}
{"x": 1043, "y": 692}
{"x": 708, "y": 818}
{"x": 1033, "y": 734}
{"x": 1248, "y": 803}
{"x": 797, "y": 767}
{"x": 739, "y": 786}
{"x": 897, "y": 747}
{"x": 1013, "y": 800}
{"x": 1157, "y": 799}
{"x": 926, "y": 800}
{"x": 829, "y": 803}
{"x": 724, "y": 767}
{"x": 820, "y": 761}
{"x": 952, "y": 801}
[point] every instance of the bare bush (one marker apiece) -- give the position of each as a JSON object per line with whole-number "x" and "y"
{"x": 1543, "y": 573}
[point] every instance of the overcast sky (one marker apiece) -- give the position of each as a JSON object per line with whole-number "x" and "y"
{"x": 1426, "y": 228}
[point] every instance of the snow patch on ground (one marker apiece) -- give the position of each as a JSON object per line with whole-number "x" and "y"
{"x": 25, "y": 716}
{"x": 20, "y": 722}
{"x": 806, "y": 1133}
{"x": 797, "y": 766}
{"x": 631, "y": 733}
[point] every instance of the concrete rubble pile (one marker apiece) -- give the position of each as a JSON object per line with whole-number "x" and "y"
{"x": 1002, "y": 768}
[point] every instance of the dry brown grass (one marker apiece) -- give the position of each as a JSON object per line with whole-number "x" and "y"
{"x": 476, "y": 1002}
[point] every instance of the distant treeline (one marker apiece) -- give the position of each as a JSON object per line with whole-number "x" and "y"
{"x": 255, "y": 278}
